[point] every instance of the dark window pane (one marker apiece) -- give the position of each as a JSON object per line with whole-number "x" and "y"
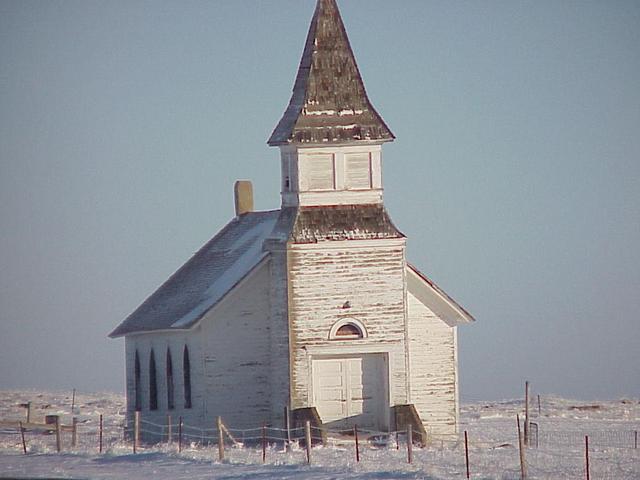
{"x": 349, "y": 330}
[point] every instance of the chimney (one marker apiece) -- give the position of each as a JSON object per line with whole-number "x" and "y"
{"x": 243, "y": 192}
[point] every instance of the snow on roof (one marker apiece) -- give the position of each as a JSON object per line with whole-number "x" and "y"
{"x": 206, "y": 278}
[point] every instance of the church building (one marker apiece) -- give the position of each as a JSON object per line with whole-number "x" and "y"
{"x": 313, "y": 306}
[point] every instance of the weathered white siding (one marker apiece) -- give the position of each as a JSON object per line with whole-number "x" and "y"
{"x": 235, "y": 339}
{"x": 229, "y": 357}
{"x": 278, "y": 334}
{"x": 433, "y": 369}
{"x": 322, "y": 277}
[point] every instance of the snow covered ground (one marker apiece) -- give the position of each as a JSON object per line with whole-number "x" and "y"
{"x": 491, "y": 426}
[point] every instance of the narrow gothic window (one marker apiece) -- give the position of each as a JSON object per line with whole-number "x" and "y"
{"x": 138, "y": 391}
{"x": 153, "y": 383}
{"x": 170, "y": 389}
{"x": 186, "y": 371}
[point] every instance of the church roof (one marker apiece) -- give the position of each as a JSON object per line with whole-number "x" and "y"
{"x": 329, "y": 103}
{"x": 206, "y": 278}
{"x": 221, "y": 264}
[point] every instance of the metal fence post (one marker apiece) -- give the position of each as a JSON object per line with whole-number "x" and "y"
{"x": 466, "y": 451}
{"x": 24, "y": 444}
{"x": 355, "y": 433}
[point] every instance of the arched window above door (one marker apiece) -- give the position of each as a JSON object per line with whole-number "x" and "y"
{"x": 347, "y": 329}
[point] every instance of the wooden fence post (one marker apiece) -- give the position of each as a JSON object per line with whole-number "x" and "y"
{"x": 28, "y": 412}
{"x": 74, "y": 432}
{"x": 264, "y": 442}
{"x": 635, "y": 442}
{"x": 73, "y": 401}
{"x": 307, "y": 437}
{"x": 169, "y": 430}
{"x": 220, "y": 439}
{"x": 180, "y": 434}
{"x": 409, "y": 443}
{"x": 466, "y": 451}
{"x": 523, "y": 467}
{"x": 136, "y": 431}
{"x": 526, "y": 413}
{"x": 539, "y": 409}
{"x": 100, "y": 433}
{"x": 355, "y": 433}
{"x": 58, "y": 434}
{"x": 287, "y": 427}
{"x": 397, "y": 440}
{"x": 24, "y": 444}
{"x": 586, "y": 455}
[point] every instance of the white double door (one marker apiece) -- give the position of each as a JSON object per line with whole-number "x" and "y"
{"x": 351, "y": 390}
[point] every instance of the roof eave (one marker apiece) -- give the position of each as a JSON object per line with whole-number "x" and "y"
{"x": 196, "y": 320}
{"x": 464, "y": 317}
{"x": 280, "y": 143}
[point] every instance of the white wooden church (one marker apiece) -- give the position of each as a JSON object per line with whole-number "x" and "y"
{"x": 313, "y": 306}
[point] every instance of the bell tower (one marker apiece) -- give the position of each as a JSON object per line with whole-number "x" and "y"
{"x": 330, "y": 136}
{"x": 340, "y": 257}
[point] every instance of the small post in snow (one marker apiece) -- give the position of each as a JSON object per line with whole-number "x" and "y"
{"x": 24, "y": 444}
{"x": 220, "y": 439}
{"x": 539, "y": 409}
{"x": 586, "y": 455}
{"x": 523, "y": 467}
{"x": 74, "y": 432}
{"x": 355, "y": 434}
{"x": 100, "y": 434}
{"x": 73, "y": 400}
{"x": 409, "y": 443}
{"x": 264, "y": 442}
{"x": 635, "y": 442}
{"x": 169, "y": 430}
{"x": 287, "y": 427}
{"x": 307, "y": 437}
{"x": 136, "y": 431}
{"x": 180, "y": 434}
{"x": 58, "y": 434}
{"x": 526, "y": 413}
{"x": 466, "y": 451}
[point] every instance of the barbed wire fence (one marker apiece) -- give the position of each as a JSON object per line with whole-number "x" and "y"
{"x": 552, "y": 452}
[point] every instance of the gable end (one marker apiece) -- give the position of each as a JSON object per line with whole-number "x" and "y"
{"x": 436, "y": 299}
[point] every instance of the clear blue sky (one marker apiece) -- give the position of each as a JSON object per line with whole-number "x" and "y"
{"x": 515, "y": 173}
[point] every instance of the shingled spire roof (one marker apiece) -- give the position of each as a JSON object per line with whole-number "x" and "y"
{"x": 329, "y": 102}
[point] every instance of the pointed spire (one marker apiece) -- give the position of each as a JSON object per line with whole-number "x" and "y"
{"x": 329, "y": 102}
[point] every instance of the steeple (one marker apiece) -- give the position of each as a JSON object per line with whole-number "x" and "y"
{"x": 329, "y": 104}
